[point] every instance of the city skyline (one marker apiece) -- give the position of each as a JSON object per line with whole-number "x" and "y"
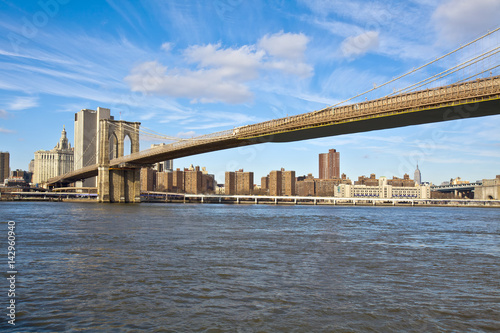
{"x": 250, "y": 62}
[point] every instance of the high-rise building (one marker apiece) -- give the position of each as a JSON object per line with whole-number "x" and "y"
{"x": 87, "y": 140}
{"x": 275, "y": 183}
{"x": 55, "y": 162}
{"x": 4, "y": 166}
{"x": 164, "y": 181}
{"x": 208, "y": 183}
{"x": 418, "y": 176}
{"x": 329, "y": 165}
{"x": 244, "y": 182}
{"x": 193, "y": 180}
{"x": 148, "y": 179}
{"x": 31, "y": 166}
{"x": 264, "y": 183}
{"x": 238, "y": 182}
{"x": 230, "y": 183}
{"x": 288, "y": 182}
{"x": 178, "y": 181}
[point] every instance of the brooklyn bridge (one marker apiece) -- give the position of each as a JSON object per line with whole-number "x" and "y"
{"x": 468, "y": 87}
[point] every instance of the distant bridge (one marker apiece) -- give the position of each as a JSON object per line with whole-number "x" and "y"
{"x": 456, "y": 187}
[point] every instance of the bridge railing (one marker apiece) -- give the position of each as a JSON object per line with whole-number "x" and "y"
{"x": 422, "y": 99}
{"x": 184, "y": 143}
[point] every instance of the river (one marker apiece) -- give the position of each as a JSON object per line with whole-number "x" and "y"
{"x": 251, "y": 268}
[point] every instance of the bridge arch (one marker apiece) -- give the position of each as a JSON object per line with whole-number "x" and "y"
{"x": 122, "y": 183}
{"x": 113, "y": 146}
{"x": 127, "y": 145}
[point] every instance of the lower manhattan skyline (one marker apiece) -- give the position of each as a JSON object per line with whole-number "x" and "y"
{"x": 276, "y": 72}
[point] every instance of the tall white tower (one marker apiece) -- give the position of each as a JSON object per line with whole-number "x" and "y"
{"x": 418, "y": 176}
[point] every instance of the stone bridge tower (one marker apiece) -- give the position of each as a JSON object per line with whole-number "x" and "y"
{"x": 122, "y": 183}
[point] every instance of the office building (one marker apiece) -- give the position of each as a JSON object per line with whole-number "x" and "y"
{"x": 4, "y": 166}
{"x": 87, "y": 140}
{"x": 55, "y": 162}
{"x": 418, "y": 176}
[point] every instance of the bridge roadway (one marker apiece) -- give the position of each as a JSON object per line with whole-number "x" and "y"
{"x": 476, "y": 98}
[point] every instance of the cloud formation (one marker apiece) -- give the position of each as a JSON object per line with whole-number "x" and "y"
{"x": 461, "y": 20}
{"x": 6, "y": 131}
{"x": 216, "y": 74}
{"x": 23, "y": 103}
{"x": 358, "y": 45}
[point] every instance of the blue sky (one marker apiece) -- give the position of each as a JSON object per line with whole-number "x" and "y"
{"x": 185, "y": 68}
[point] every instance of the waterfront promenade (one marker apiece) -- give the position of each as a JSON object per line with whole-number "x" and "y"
{"x": 163, "y": 197}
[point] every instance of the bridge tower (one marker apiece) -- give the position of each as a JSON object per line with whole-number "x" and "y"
{"x": 122, "y": 183}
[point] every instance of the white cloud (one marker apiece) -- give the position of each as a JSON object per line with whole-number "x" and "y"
{"x": 6, "y": 131}
{"x": 222, "y": 74}
{"x": 299, "y": 69}
{"x": 166, "y": 47}
{"x": 285, "y": 45}
{"x": 187, "y": 134}
{"x": 3, "y": 114}
{"x": 238, "y": 64}
{"x": 460, "y": 20}
{"x": 358, "y": 45}
{"x": 23, "y": 103}
{"x": 203, "y": 85}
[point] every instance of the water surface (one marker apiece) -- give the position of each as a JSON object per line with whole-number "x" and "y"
{"x": 249, "y": 268}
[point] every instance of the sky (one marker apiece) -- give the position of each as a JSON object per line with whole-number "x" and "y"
{"x": 192, "y": 67}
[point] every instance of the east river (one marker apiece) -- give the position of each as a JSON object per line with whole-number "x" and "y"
{"x": 251, "y": 268}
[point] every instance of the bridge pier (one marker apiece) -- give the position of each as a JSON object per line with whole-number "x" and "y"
{"x": 120, "y": 184}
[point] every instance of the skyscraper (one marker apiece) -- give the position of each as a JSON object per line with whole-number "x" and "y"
{"x": 329, "y": 165}
{"x": 4, "y": 166}
{"x": 87, "y": 140}
{"x": 418, "y": 176}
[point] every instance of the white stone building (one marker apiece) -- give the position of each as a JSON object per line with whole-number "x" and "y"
{"x": 55, "y": 162}
{"x": 383, "y": 191}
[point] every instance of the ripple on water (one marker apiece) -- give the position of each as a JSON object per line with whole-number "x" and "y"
{"x": 220, "y": 268}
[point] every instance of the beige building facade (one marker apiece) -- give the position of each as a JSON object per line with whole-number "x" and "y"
{"x": 383, "y": 191}
{"x": 55, "y": 162}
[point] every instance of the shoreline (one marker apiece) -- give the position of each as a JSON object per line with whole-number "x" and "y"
{"x": 348, "y": 202}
